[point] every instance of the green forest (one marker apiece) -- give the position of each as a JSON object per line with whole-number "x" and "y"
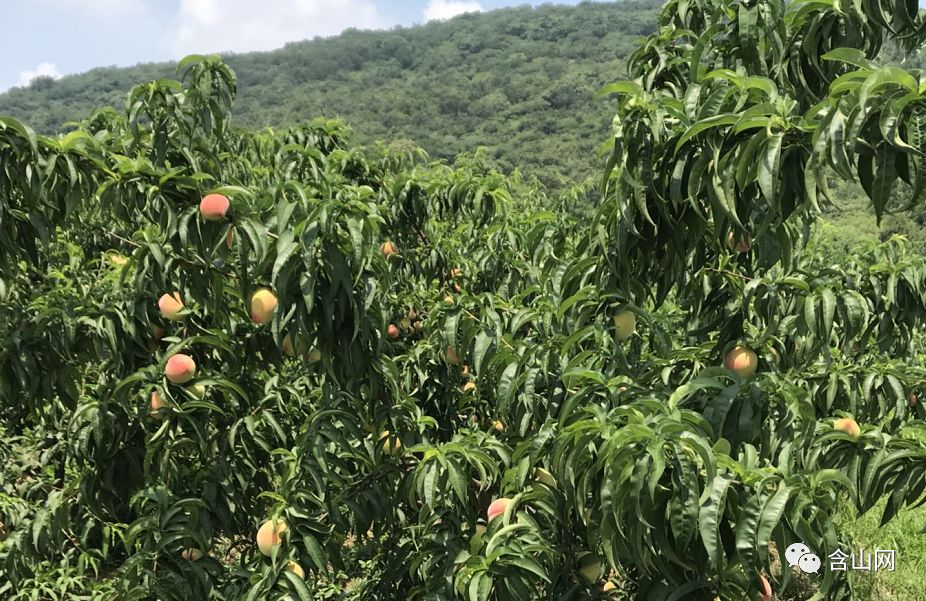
{"x": 519, "y": 81}
{"x": 601, "y": 302}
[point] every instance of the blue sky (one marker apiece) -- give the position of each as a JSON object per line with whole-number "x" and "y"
{"x": 58, "y": 37}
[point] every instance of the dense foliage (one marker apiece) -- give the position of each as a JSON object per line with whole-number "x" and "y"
{"x": 445, "y": 337}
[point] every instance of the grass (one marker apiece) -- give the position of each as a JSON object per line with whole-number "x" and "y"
{"x": 903, "y": 535}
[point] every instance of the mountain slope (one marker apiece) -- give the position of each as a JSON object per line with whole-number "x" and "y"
{"x": 521, "y": 81}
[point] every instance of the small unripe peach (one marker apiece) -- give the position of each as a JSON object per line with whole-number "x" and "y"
{"x": 418, "y": 326}
{"x": 765, "y": 589}
{"x": 197, "y": 390}
{"x": 497, "y": 508}
{"x": 742, "y": 361}
{"x": 740, "y": 246}
{"x": 498, "y": 425}
{"x": 590, "y": 567}
{"x": 230, "y": 239}
{"x": 157, "y": 405}
{"x": 263, "y": 305}
{"x": 157, "y": 332}
{"x": 405, "y": 324}
{"x": 608, "y": 586}
{"x": 270, "y": 535}
{"x": 388, "y": 248}
{"x": 544, "y": 476}
{"x": 911, "y": 400}
{"x": 412, "y": 314}
{"x": 287, "y": 345}
{"x": 392, "y": 331}
{"x": 295, "y": 568}
{"x": 448, "y": 300}
{"x": 315, "y": 355}
{"x": 455, "y": 272}
{"x": 469, "y": 386}
{"x": 848, "y": 425}
{"x": 213, "y": 207}
{"x": 180, "y": 369}
{"x": 452, "y": 357}
{"x": 776, "y": 356}
{"x": 625, "y": 324}
{"x": 293, "y": 345}
{"x": 171, "y": 306}
{"x": 456, "y": 288}
{"x": 191, "y": 554}
{"x": 392, "y": 445}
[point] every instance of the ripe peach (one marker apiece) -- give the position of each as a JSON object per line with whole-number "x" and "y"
{"x": 392, "y": 331}
{"x": 455, "y": 272}
{"x": 608, "y": 586}
{"x": 848, "y": 425}
{"x": 263, "y": 305}
{"x": 498, "y": 425}
{"x": 625, "y": 324}
{"x": 213, "y": 207}
{"x": 388, "y": 248}
{"x": 180, "y": 369}
{"x": 270, "y": 535}
{"x": 295, "y": 568}
{"x": 742, "y": 361}
{"x": 171, "y": 306}
{"x": 497, "y": 508}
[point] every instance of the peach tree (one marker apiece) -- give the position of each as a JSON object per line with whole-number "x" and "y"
{"x": 250, "y": 365}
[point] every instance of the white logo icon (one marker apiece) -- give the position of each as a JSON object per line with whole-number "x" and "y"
{"x": 798, "y": 555}
{"x": 809, "y": 563}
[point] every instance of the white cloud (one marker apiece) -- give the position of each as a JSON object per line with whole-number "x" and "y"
{"x": 100, "y": 7}
{"x": 206, "y": 26}
{"x": 447, "y": 9}
{"x": 43, "y": 70}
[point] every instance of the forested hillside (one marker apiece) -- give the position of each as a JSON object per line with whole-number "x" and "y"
{"x": 521, "y": 81}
